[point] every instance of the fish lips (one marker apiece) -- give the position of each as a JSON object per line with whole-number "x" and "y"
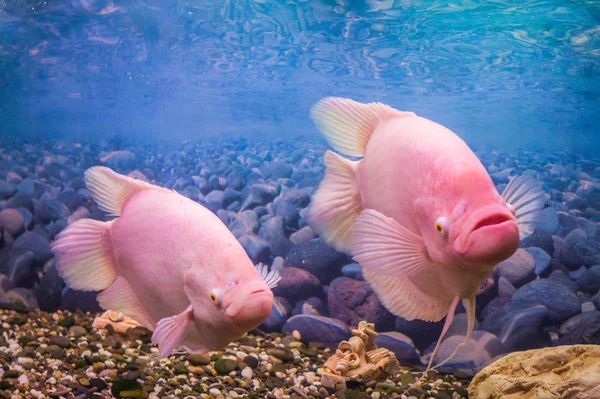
{"x": 252, "y": 303}
{"x": 493, "y": 243}
{"x": 492, "y": 236}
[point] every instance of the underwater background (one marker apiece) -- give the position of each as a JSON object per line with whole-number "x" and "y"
{"x": 212, "y": 99}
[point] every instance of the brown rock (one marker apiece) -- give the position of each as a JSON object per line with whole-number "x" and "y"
{"x": 570, "y": 371}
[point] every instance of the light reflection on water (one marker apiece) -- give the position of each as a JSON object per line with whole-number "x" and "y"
{"x": 495, "y": 71}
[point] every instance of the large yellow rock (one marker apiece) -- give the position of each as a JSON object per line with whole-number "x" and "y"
{"x": 569, "y": 372}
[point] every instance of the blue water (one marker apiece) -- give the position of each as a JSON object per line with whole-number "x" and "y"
{"x": 521, "y": 74}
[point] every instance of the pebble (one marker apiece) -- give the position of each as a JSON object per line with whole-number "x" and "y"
{"x": 247, "y": 373}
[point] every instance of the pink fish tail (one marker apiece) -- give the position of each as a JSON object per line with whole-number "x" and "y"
{"x": 84, "y": 255}
{"x": 336, "y": 204}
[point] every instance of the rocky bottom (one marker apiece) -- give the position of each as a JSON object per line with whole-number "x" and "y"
{"x": 60, "y": 355}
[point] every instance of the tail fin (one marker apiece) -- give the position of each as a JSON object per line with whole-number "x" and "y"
{"x": 84, "y": 255}
{"x": 336, "y": 204}
{"x": 347, "y": 124}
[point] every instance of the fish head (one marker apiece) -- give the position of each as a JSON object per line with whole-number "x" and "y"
{"x": 244, "y": 297}
{"x": 249, "y": 304}
{"x": 228, "y": 301}
{"x": 472, "y": 225}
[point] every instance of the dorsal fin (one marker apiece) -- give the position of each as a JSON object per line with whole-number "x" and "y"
{"x": 111, "y": 190}
{"x": 347, "y": 124}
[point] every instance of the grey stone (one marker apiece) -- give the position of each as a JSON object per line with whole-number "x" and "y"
{"x": 51, "y": 210}
{"x": 402, "y": 346}
{"x": 519, "y": 325}
{"x": 548, "y": 221}
{"x": 257, "y": 248}
{"x": 542, "y": 260}
{"x": 12, "y": 220}
{"x": 353, "y": 301}
{"x": 305, "y": 234}
{"x": 558, "y": 299}
{"x": 573, "y": 330}
{"x": 589, "y": 281}
{"x": 297, "y": 284}
{"x": 318, "y": 328}
{"x": 35, "y": 243}
{"x": 243, "y": 223}
{"x": 519, "y": 269}
{"x": 318, "y": 258}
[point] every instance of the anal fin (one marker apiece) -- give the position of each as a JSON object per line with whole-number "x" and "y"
{"x": 121, "y": 297}
{"x": 171, "y": 331}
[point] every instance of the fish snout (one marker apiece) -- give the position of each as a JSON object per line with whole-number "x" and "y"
{"x": 251, "y": 307}
{"x": 490, "y": 235}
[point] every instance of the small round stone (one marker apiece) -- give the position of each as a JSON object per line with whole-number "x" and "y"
{"x": 247, "y": 373}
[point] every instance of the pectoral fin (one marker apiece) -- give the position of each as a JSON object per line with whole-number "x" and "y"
{"x": 170, "y": 331}
{"x": 383, "y": 245}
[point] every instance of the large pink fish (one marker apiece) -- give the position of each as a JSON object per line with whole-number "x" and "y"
{"x": 419, "y": 211}
{"x": 167, "y": 262}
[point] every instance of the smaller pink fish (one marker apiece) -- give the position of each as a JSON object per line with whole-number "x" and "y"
{"x": 167, "y": 262}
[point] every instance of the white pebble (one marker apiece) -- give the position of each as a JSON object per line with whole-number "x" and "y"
{"x": 264, "y": 356}
{"x": 296, "y": 334}
{"x": 214, "y": 392}
{"x": 23, "y": 380}
{"x": 110, "y": 364}
{"x": 375, "y": 395}
{"x": 310, "y": 377}
{"x": 247, "y": 373}
{"x": 587, "y": 307}
{"x": 85, "y": 353}
{"x": 24, "y": 360}
{"x": 51, "y": 381}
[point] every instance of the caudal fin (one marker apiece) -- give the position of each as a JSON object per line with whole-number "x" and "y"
{"x": 336, "y": 204}
{"x": 84, "y": 255}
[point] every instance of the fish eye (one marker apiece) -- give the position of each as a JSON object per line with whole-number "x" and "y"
{"x": 442, "y": 225}
{"x": 215, "y": 296}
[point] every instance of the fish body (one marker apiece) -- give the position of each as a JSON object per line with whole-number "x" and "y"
{"x": 167, "y": 262}
{"x": 419, "y": 211}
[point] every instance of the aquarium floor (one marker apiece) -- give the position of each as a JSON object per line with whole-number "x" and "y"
{"x": 61, "y": 355}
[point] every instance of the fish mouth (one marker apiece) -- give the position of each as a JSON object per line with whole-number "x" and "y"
{"x": 493, "y": 220}
{"x": 483, "y": 220}
{"x": 251, "y": 298}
